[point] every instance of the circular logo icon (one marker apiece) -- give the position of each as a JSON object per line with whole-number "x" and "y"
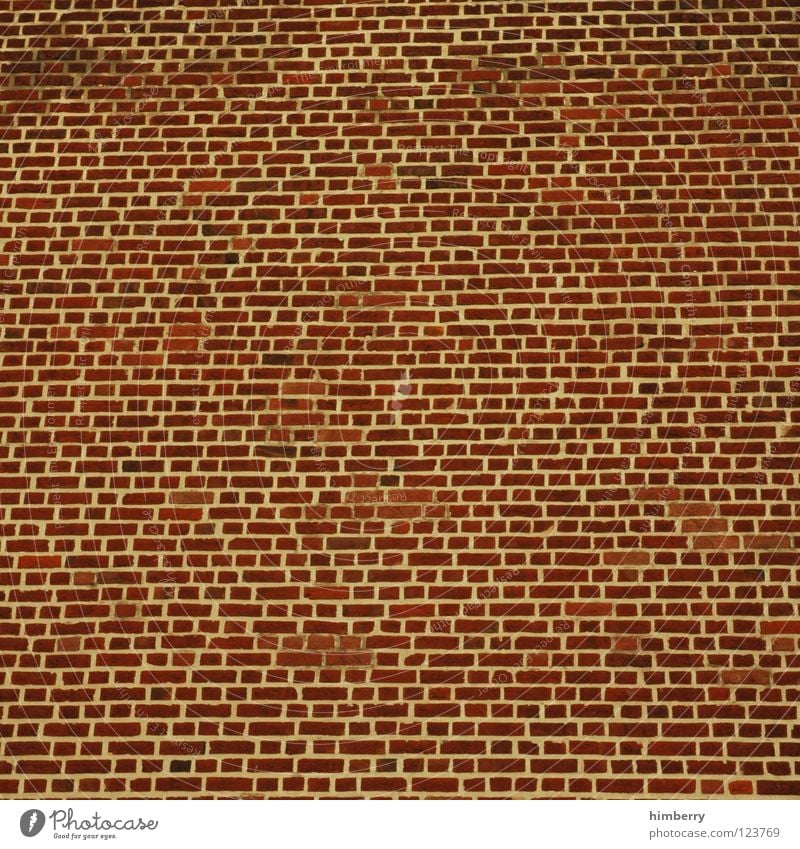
{"x": 31, "y": 822}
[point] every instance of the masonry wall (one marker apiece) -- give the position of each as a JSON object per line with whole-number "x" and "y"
{"x": 399, "y": 399}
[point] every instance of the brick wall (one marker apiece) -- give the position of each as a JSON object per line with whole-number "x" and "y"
{"x": 399, "y": 399}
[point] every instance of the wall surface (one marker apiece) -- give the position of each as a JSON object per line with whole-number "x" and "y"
{"x": 399, "y": 398}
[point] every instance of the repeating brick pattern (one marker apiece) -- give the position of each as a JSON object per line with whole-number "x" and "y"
{"x": 399, "y": 399}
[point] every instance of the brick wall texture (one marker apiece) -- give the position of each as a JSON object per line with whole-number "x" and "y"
{"x": 399, "y": 399}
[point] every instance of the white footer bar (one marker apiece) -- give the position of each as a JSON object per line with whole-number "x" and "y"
{"x": 356, "y": 824}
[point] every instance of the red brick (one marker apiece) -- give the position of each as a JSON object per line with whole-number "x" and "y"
{"x": 401, "y": 402}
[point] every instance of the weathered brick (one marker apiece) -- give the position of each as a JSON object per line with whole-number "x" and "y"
{"x": 380, "y": 418}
